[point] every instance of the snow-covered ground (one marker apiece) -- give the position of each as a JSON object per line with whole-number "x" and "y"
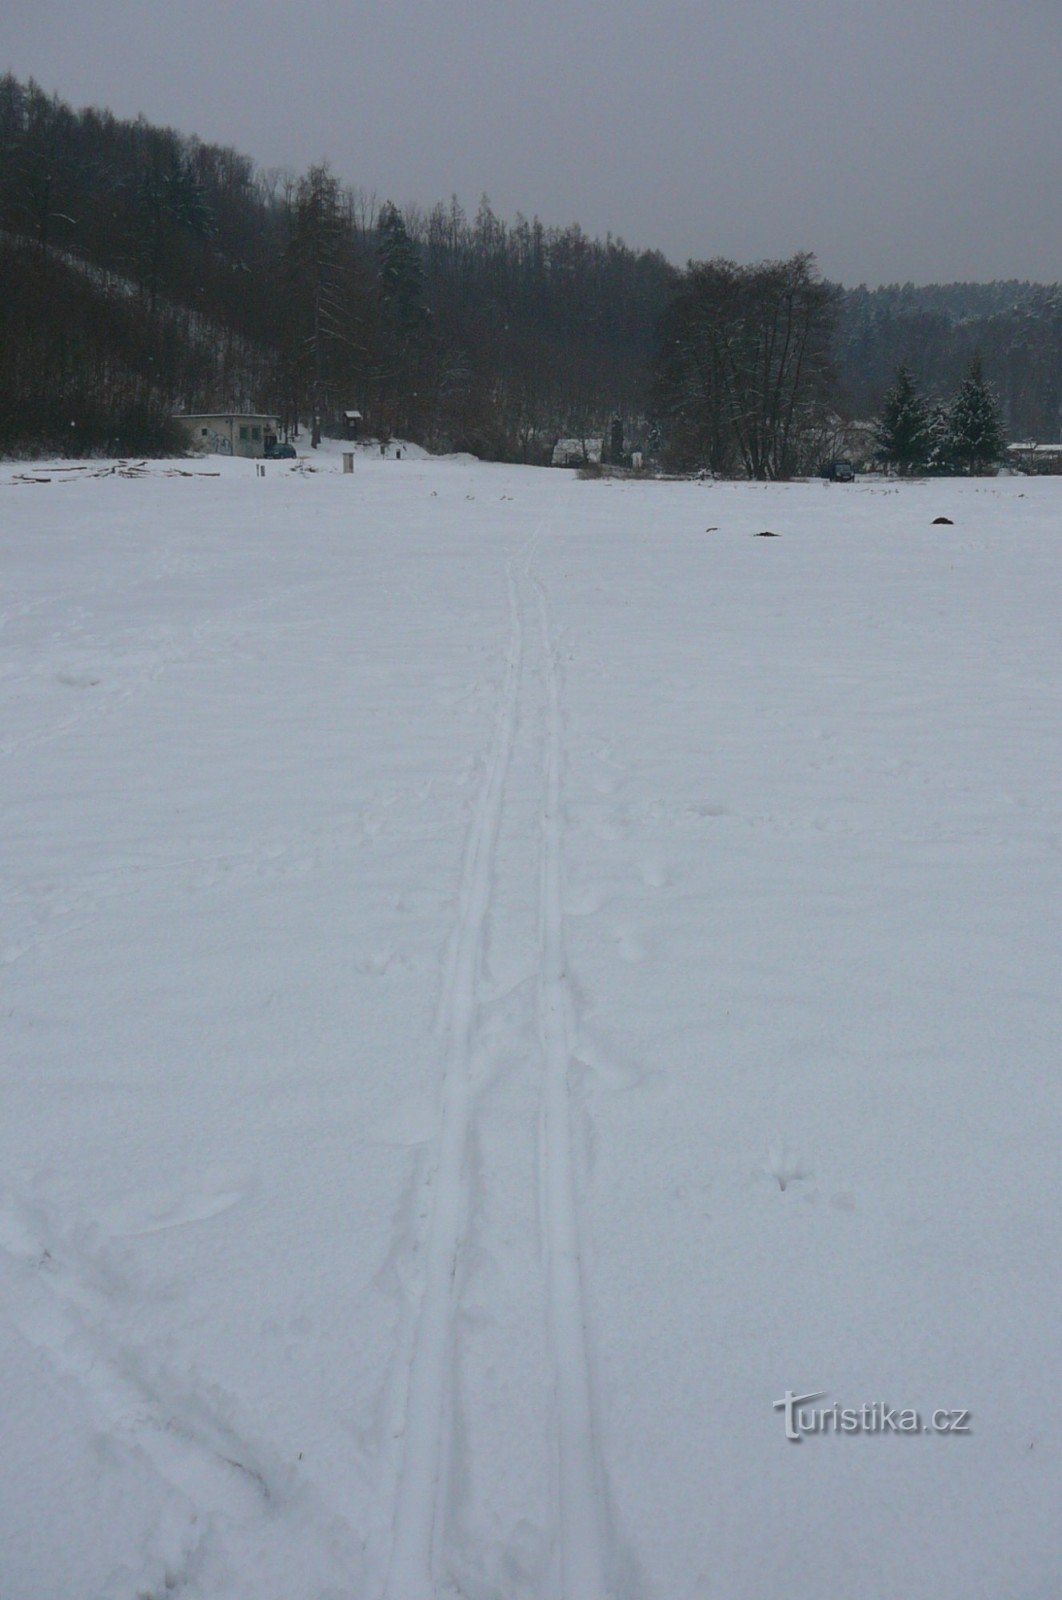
{"x": 503, "y": 978}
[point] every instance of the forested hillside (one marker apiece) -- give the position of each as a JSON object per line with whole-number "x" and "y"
{"x": 145, "y": 272}
{"x": 937, "y": 330}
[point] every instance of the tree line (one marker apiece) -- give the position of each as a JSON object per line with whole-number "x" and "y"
{"x": 145, "y": 272}
{"x": 744, "y": 371}
{"x": 964, "y": 435}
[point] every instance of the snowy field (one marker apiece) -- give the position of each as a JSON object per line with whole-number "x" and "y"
{"x": 503, "y": 978}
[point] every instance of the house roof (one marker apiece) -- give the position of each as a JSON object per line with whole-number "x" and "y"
{"x": 224, "y": 416}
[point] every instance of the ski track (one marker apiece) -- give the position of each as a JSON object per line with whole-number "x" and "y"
{"x": 579, "y": 1513}
{"x": 429, "y": 1399}
{"x": 579, "y": 1478}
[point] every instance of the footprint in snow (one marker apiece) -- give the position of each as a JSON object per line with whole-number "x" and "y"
{"x": 654, "y": 874}
{"x": 173, "y": 1211}
{"x": 145, "y": 1210}
{"x": 526, "y": 1556}
{"x": 377, "y": 962}
{"x": 605, "y": 1058}
{"x": 785, "y": 1167}
{"x": 76, "y": 680}
{"x": 583, "y": 901}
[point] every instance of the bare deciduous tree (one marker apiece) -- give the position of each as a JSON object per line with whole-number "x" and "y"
{"x": 744, "y": 363}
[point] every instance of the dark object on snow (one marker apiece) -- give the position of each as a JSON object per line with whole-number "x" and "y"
{"x": 767, "y": 534}
{"x": 840, "y": 472}
{"x": 945, "y": 520}
{"x": 279, "y": 451}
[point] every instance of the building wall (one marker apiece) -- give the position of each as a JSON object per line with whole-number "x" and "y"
{"x": 228, "y": 435}
{"x": 247, "y": 436}
{"x": 1035, "y": 458}
{"x": 210, "y": 435}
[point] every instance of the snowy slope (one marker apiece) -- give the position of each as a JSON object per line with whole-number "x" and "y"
{"x": 499, "y": 985}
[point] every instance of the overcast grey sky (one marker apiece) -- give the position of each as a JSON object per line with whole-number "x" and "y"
{"x": 898, "y": 139}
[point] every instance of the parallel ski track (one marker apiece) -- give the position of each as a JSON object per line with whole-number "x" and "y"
{"x": 580, "y": 1487}
{"x": 428, "y": 1401}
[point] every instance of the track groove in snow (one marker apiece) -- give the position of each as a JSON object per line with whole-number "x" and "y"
{"x": 580, "y": 1486}
{"x": 578, "y": 1531}
{"x": 429, "y": 1397}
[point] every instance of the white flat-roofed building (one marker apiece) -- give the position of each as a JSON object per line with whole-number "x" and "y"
{"x": 1035, "y": 458}
{"x": 230, "y": 433}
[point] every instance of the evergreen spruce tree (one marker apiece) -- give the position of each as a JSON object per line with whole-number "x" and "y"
{"x": 976, "y": 443}
{"x": 314, "y": 253}
{"x": 904, "y": 429}
{"x": 405, "y": 379}
{"x": 401, "y": 276}
{"x": 940, "y": 454}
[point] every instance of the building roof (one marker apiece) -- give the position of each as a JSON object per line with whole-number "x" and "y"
{"x": 224, "y": 416}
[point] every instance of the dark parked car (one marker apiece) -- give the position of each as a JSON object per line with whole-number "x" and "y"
{"x": 278, "y": 451}
{"x": 840, "y": 472}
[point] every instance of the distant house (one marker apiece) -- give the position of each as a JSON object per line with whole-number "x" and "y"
{"x": 860, "y": 441}
{"x": 577, "y": 452}
{"x": 856, "y": 442}
{"x": 352, "y": 423}
{"x": 1035, "y": 457}
{"x": 230, "y": 433}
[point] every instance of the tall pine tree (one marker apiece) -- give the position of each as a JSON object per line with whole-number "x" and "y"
{"x": 904, "y": 429}
{"x": 401, "y": 276}
{"x": 976, "y": 443}
{"x": 403, "y": 380}
{"x": 314, "y": 255}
